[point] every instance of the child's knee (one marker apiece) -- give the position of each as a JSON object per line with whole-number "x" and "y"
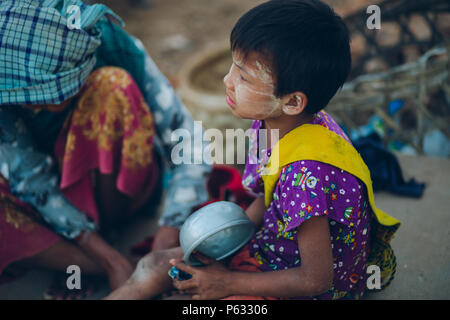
{"x": 162, "y": 257}
{"x": 157, "y": 260}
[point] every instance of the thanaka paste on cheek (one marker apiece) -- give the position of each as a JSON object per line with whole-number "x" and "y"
{"x": 265, "y": 74}
{"x": 267, "y": 105}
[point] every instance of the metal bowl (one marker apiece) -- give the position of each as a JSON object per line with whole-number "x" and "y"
{"x": 216, "y": 230}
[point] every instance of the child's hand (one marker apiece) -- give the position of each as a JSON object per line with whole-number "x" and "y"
{"x": 207, "y": 282}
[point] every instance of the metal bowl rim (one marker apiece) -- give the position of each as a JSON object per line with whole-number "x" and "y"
{"x": 195, "y": 244}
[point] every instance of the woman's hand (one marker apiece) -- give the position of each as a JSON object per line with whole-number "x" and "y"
{"x": 114, "y": 263}
{"x": 211, "y": 281}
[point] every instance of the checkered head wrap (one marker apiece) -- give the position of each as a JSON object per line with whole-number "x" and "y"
{"x": 47, "y": 49}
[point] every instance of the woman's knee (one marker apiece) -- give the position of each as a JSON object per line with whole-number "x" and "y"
{"x": 117, "y": 84}
{"x": 111, "y": 94}
{"x": 110, "y": 77}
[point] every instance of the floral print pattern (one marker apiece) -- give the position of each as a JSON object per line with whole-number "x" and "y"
{"x": 308, "y": 189}
{"x": 106, "y": 112}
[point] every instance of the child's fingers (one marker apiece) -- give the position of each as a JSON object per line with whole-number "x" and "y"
{"x": 182, "y": 266}
{"x": 185, "y": 285}
{"x": 203, "y": 259}
{"x": 172, "y": 261}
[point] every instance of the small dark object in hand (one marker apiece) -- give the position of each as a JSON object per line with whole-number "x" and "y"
{"x": 178, "y": 274}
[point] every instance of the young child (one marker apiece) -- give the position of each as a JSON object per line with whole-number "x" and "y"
{"x": 315, "y": 214}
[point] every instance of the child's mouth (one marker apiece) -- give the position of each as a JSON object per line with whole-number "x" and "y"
{"x": 230, "y": 102}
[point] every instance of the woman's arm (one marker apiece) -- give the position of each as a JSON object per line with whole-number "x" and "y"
{"x": 313, "y": 277}
{"x": 33, "y": 178}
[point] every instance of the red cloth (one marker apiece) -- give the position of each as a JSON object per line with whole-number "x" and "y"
{"x": 224, "y": 184}
{"x": 243, "y": 261}
{"x": 22, "y": 231}
{"x": 111, "y": 129}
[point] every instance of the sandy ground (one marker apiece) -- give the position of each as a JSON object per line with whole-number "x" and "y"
{"x": 173, "y": 30}
{"x": 421, "y": 245}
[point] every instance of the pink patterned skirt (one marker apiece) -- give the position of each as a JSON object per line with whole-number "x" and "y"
{"x": 111, "y": 130}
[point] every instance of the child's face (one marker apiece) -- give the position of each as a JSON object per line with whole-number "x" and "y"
{"x": 250, "y": 88}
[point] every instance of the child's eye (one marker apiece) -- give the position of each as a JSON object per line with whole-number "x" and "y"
{"x": 242, "y": 78}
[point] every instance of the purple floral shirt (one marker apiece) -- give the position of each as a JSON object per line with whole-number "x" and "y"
{"x": 309, "y": 189}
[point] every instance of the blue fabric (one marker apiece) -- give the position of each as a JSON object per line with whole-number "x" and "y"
{"x": 42, "y": 61}
{"x": 45, "y": 126}
{"x": 385, "y": 170}
{"x": 33, "y": 178}
{"x": 186, "y": 187}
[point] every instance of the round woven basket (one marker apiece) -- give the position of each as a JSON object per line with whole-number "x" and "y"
{"x": 412, "y": 83}
{"x": 407, "y": 60}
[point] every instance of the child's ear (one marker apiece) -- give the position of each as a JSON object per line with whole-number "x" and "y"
{"x": 294, "y": 103}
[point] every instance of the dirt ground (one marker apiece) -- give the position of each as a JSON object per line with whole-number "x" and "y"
{"x": 421, "y": 245}
{"x": 173, "y": 30}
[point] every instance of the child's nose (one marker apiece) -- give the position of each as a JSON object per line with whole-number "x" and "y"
{"x": 227, "y": 81}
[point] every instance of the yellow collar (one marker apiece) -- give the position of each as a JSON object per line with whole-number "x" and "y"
{"x": 314, "y": 142}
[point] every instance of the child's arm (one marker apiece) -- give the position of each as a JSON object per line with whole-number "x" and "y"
{"x": 255, "y": 211}
{"x": 313, "y": 277}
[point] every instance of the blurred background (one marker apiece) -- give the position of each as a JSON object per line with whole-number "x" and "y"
{"x": 407, "y": 108}
{"x": 173, "y": 30}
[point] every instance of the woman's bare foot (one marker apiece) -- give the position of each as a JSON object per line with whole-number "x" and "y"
{"x": 58, "y": 290}
{"x": 57, "y": 258}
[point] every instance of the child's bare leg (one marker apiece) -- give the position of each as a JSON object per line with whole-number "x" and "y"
{"x": 150, "y": 277}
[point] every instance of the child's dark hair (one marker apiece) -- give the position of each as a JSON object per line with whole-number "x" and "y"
{"x": 306, "y": 43}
